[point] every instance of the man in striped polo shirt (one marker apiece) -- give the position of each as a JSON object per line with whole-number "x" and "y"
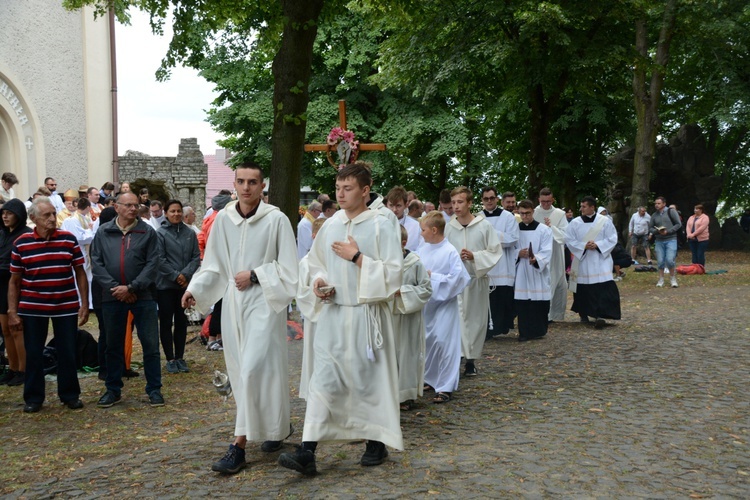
{"x": 45, "y": 266}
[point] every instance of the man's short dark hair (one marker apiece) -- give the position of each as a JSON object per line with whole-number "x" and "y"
{"x": 487, "y": 189}
{"x": 225, "y": 192}
{"x": 545, "y": 192}
{"x": 83, "y": 203}
{"x": 143, "y": 191}
{"x": 526, "y": 204}
{"x": 107, "y": 186}
{"x": 396, "y": 194}
{"x": 90, "y": 190}
{"x": 252, "y": 165}
{"x": 328, "y": 204}
{"x": 589, "y": 200}
{"x": 157, "y": 203}
{"x": 359, "y": 170}
{"x": 10, "y": 178}
{"x": 48, "y": 179}
{"x": 663, "y": 199}
{"x": 509, "y": 194}
{"x": 445, "y": 196}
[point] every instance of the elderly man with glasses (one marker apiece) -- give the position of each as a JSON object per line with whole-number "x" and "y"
{"x": 125, "y": 254}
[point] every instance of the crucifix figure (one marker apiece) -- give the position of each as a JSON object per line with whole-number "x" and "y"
{"x": 328, "y": 148}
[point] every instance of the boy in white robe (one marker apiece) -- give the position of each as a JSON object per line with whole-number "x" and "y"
{"x": 591, "y": 239}
{"x": 480, "y": 250}
{"x": 309, "y": 306}
{"x": 554, "y": 218}
{"x": 448, "y": 278}
{"x": 532, "y": 293}
{"x": 408, "y": 325}
{"x": 251, "y": 263}
{"x": 353, "y": 391}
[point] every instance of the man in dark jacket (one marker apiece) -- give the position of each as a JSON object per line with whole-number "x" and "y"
{"x": 125, "y": 255}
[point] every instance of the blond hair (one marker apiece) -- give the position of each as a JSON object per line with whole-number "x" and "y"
{"x": 434, "y": 219}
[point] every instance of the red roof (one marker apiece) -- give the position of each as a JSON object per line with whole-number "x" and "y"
{"x": 219, "y": 175}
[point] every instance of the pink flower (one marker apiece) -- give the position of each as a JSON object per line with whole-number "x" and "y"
{"x": 331, "y": 141}
{"x": 348, "y": 136}
{"x": 355, "y": 145}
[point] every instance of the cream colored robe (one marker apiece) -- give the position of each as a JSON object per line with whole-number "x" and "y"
{"x": 474, "y": 302}
{"x": 408, "y": 326}
{"x": 558, "y": 282}
{"x": 353, "y": 391}
{"x": 253, "y": 320}
{"x": 309, "y": 305}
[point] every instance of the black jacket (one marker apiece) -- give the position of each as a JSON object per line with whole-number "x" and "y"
{"x": 125, "y": 259}
{"x": 7, "y": 237}
{"x": 180, "y": 254}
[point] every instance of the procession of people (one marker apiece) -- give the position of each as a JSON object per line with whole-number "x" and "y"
{"x": 393, "y": 295}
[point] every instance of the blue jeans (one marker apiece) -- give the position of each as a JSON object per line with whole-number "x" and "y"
{"x": 146, "y": 324}
{"x": 666, "y": 252}
{"x": 65, "y": 329}
{"x": 698, "y": 248}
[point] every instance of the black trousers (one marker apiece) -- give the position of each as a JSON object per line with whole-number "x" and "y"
{"x": 170, "y": 311}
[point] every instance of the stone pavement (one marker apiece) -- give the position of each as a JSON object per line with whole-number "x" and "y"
{"x": 657, "y": 406}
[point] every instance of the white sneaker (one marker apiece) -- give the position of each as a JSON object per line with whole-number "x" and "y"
{"x": 660, "y": 283}
{"x": 674, "y": 282}
{"x": 617, "y": 278}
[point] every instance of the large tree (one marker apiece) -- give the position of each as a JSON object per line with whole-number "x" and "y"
{"x": 650, "y": 67}
{"x": 288, "y": 28}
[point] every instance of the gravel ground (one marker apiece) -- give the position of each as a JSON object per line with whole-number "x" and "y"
{"x": 655, "y": 406}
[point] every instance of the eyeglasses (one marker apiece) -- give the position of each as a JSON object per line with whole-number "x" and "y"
{"x": 489, "y": 198}
{"x": 525, "y": 213}
{"x": 128, "y": 205}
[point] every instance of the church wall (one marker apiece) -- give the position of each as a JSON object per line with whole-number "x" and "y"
{"x": 42, "y": 52}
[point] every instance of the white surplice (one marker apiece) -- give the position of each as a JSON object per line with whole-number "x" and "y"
{"x": 594, "y": 266}
{"x": 309, "y": 305}
{"x": 413, "y": 230}
{"x": 253, "y": 320}
{"x": 353, "y": 391}
{"x": 81, "y": 227}
{"x": 506, "y": 228}
{"x": 558, "y": 282}
{"x": 533, "y": 282}
{"x": 304, "y": 235}
{"x": 408, "y": 326}
{"x": 481, "y": 239}
{"x": 442, "y": 316}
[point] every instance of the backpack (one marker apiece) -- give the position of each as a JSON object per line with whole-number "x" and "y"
{"x": 691, "y": 269}
{"x": 87, "y": 353}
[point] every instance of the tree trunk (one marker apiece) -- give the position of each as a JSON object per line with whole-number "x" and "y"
{"x": 647, "y": 94}
{"x": 291, "y": 69}
{"x": 539, "y": 141}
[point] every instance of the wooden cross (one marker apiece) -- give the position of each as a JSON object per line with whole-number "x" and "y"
{"x": 342, "y": 124}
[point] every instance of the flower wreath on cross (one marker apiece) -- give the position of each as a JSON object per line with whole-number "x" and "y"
{"x": 345, "y": 145}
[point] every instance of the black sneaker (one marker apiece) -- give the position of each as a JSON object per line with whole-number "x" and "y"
{"x": 156, "y": 399}
{"x": 18, "y": 379}
{"x": 599, "y": 323}
{"x": 232, "y": 462}
{"x": 32, "y": 407}
{"x": 130, "y": 373}
{"x": 470, "y": 370}
{"x": 375, "y": 453}
{"x": 303, "y": 461}
{"x": 108, "y": 400}
{"x": 7, "y": 377}
{"x": 272, "y": 446}
{"x": 75, "y": 404}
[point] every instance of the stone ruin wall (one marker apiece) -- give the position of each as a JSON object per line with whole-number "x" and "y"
{"x": 182, "y": 177}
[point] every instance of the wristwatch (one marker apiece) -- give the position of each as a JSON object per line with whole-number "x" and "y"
{"x": 131, "y": 289}
{"x": 356, "y": 256}
{"x": 254, "y": 278}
